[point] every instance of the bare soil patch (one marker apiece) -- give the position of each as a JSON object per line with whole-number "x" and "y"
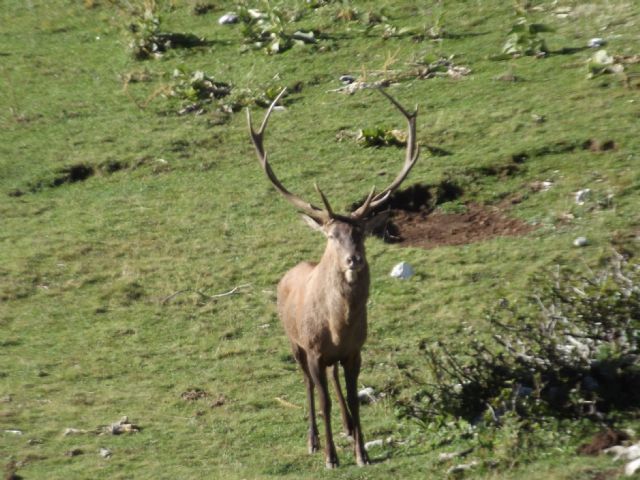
{"x": 430, "y": 229}
{"x": 603, "y": 440}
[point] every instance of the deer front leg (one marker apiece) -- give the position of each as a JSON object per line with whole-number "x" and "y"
{"x": 347, "y": 421}
{"x": 313, "y": 443}
{"x": 301, "y": 357}
{"x": 318, "y": 373}
{"x": 351, "y": 372}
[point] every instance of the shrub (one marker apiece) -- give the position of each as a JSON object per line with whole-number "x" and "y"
{"x": 148, "y": 41}
{"x": 573, "y": 351}
{"x": 524, "y": 39}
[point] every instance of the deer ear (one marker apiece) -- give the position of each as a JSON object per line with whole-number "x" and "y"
{"x": 313, "y": 223}
{"x": 376, "y": 222}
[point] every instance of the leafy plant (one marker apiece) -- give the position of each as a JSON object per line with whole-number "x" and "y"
{"x": 435, "y": 30}
{"x": 148, "y": 41}
{"x": 195, "y": 89}
{"x": 524, "y": 39}
{"x": 268, "y": 30}
{"x": 381, "y": 136}
{"x": 246, "y": 97}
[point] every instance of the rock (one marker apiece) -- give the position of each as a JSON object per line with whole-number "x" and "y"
{"x": 105, "y": 452}
{"x": 13, "y": 431}
{"x": 581, "y": 242}
{"x": 374, "y": 444}
{"x": 444, "y": 457}
{"x": 367, "y": 395}
{"x": 582, "y": 196}
{"x": 631, "y": 452}
{"x": 305, "y": 37}
{"x": 461, "y": 468}
{"x": 122, "y": 426}
{"x": 596, "y": 42}
{"x": 347, "y": 79}
{"x": 402, "y": 271}
{"x": 228, "y": 19}
{"x": 73, "y": 431}
{"x": 74, "y": 452}
{"x": 632, "y": 467}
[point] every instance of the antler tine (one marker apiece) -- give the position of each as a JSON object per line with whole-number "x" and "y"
{"x": 413, "y": 151}
{"x": 325, "y": 201}
{"x": 258, "y": 142}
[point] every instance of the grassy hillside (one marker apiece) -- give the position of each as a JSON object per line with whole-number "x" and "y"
{"x": 121, "y": 220}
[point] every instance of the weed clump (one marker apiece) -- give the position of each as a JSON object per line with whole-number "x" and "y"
{"x": 524, "y": 39}
{"x": 197, "y": 90}
{"x": 269, "y": 30}
{"x": 572, "y": 352}
{"x": 148, "y": 41}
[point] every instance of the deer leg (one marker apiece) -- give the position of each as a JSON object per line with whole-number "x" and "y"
{"x": 319, "y": 375}
{"x": 351, "y": 372}
{"x": 347, "y": 421}
{"x": 301, "y": 357}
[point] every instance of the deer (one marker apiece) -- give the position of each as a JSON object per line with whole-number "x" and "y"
{"x": 323, "y": 305}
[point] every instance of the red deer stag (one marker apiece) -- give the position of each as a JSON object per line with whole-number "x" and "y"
{"x": 323, "y": 306}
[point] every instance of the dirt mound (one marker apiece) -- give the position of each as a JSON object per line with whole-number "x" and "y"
{"x": 429, "y": 229}
{"x": 603, "y": 440}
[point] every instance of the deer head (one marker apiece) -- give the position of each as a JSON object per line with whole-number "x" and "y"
{"x": 345, "y": 232}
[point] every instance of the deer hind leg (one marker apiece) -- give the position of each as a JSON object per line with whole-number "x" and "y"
{"x": 313, "y": 442}
{"x": 318, "y": 373}
{"x": 351, "y": 372}
{"x": 347, "y": 421}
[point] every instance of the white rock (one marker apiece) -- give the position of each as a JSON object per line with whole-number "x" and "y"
{"x": 462, "y": 467}
{"x": 596, "y": 42}
{"x": 105, "y": 452}
{"x": 347, "y": 79}
{"x": 402, "y": 271}
{"x": 256, "y": 14}
{"x": 631, "y": 452}
{"x": 581, "y": 242}
{"x": 582, "y": 196}
{"x": 445, "y": 457}
{"x": 373, "y": 444}
{"x": 632, "y": 467}
{"x": 228, "y": 19}
{"x": 14, "y": 431}
{"x": 367, "y": 395}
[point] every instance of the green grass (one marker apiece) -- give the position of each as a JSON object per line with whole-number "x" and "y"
{"x": 84, "y": 267}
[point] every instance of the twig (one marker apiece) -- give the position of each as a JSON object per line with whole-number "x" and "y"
{"x": 204, "y": 295}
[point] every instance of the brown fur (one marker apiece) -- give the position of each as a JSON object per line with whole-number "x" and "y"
{"x": 323, "y": 308}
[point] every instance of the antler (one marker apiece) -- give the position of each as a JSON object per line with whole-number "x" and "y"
{"x": 413, "y": 151}
{"x": 322, "y": 215}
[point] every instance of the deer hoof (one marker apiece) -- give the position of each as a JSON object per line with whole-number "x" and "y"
{"x": 313, "y": 444}
{"x": 331, "y": 464}
{"x": 363, "y": 460}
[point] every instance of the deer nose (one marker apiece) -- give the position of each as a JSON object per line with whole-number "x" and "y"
{"x": 354, "y": 261}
